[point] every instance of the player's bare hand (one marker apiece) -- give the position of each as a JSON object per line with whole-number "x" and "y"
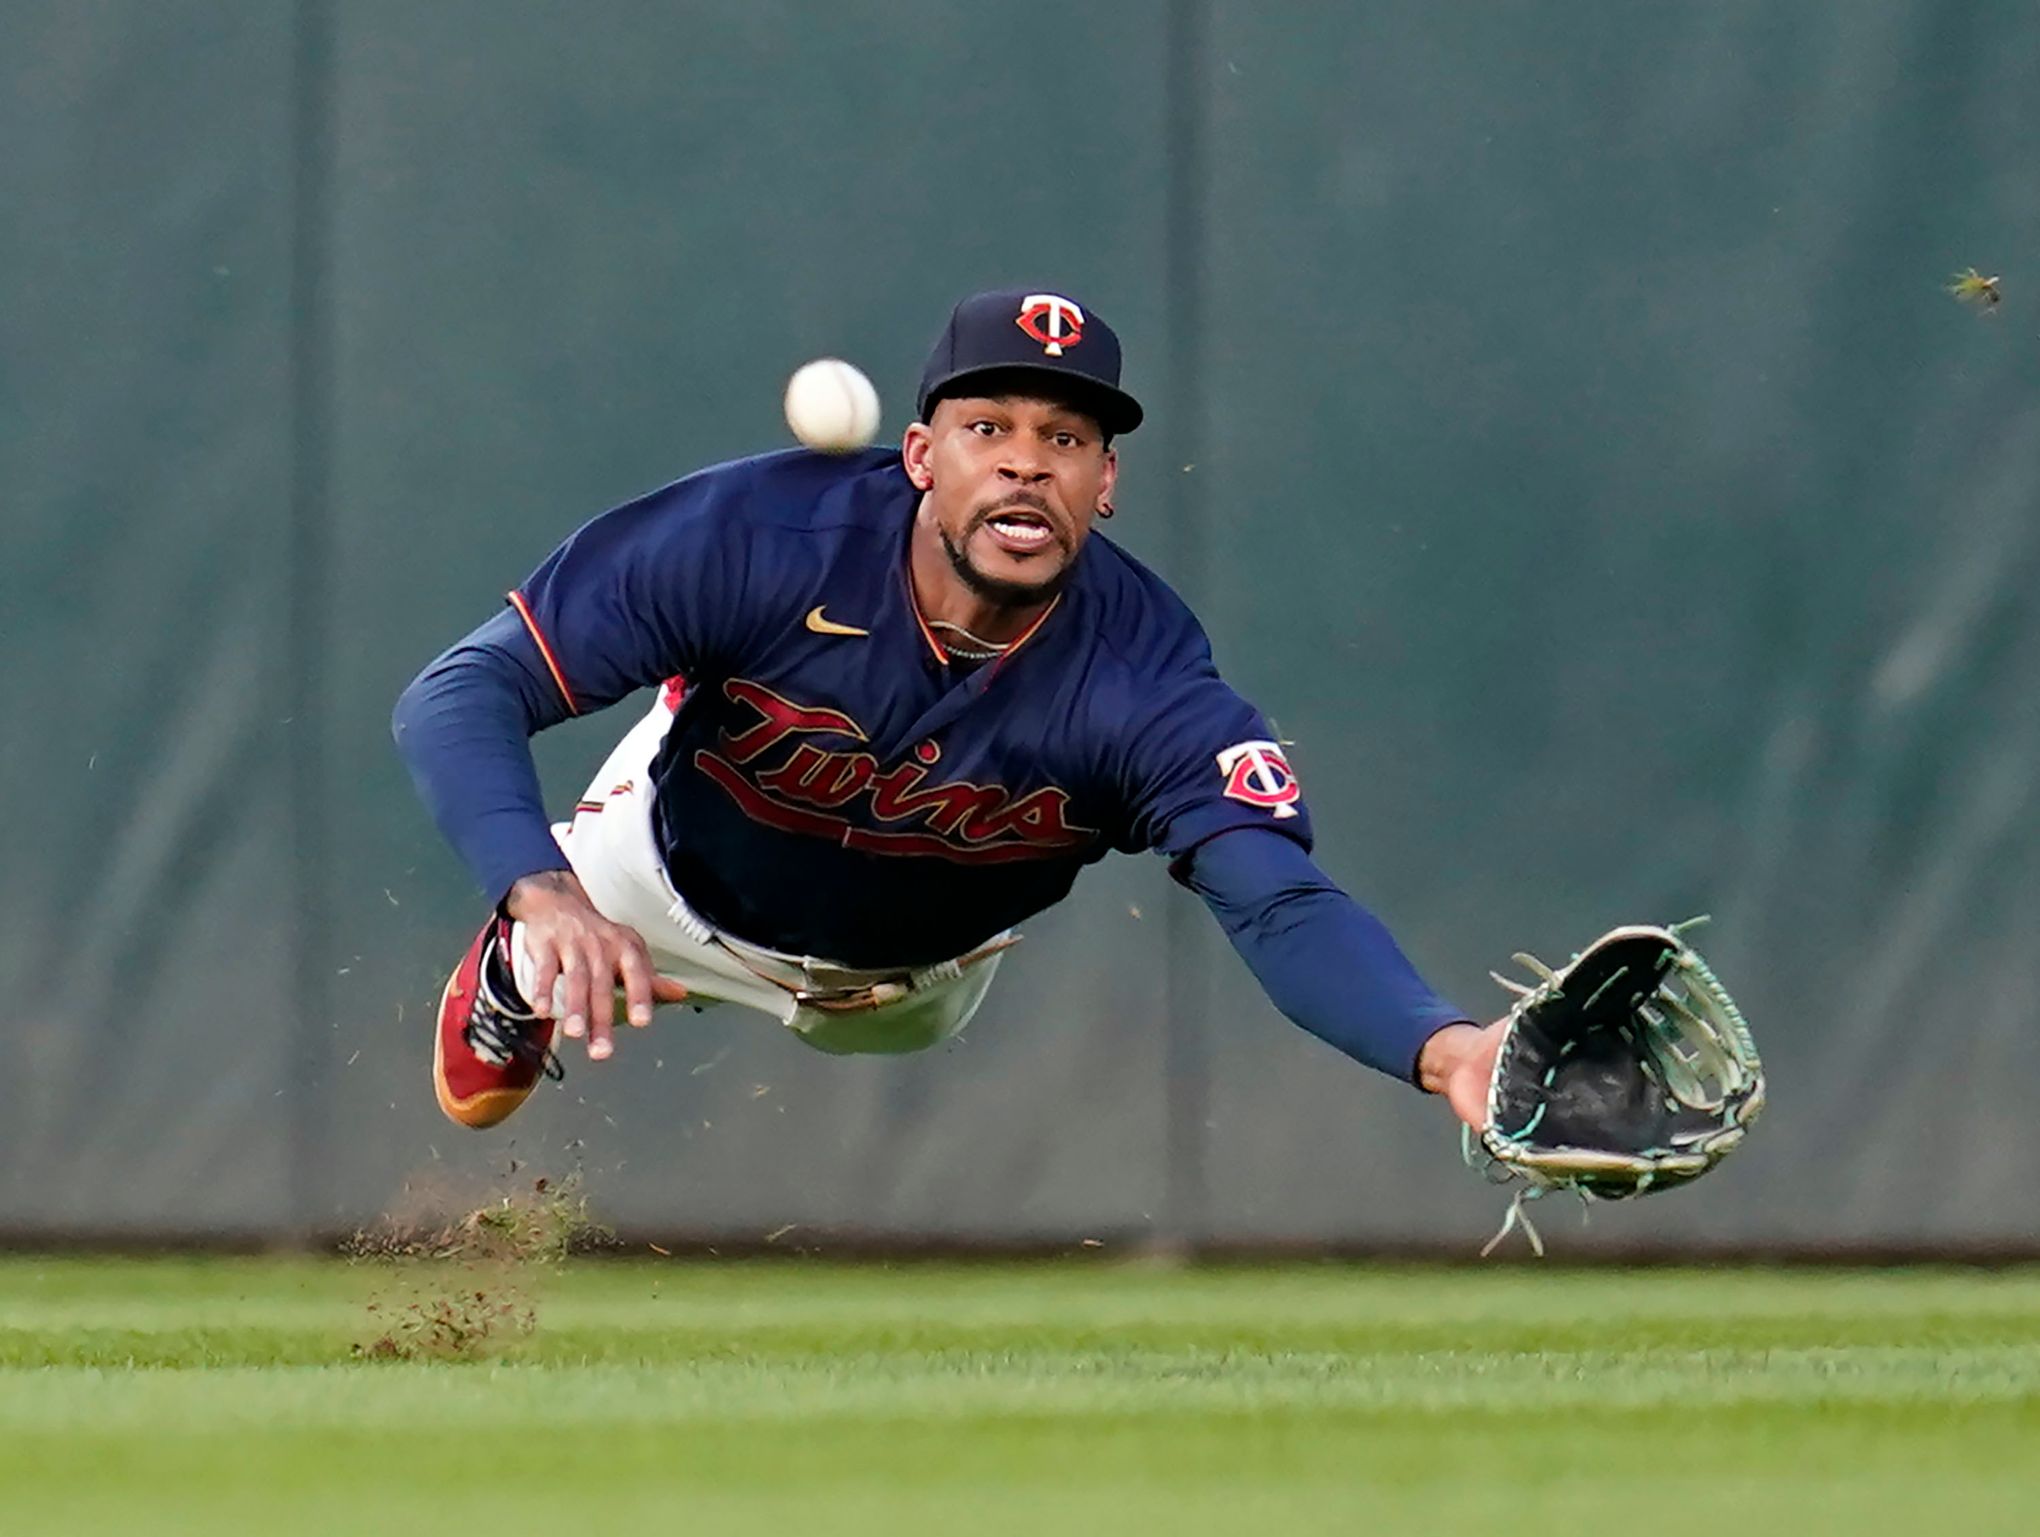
{"x": 1457, "y": 1062}
{"x": 581, "y": 960}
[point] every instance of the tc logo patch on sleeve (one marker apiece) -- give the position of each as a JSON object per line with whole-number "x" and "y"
{"x": 1257, "y": 773}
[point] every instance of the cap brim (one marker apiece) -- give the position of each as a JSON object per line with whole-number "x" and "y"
{"x": 1117, "y": 411}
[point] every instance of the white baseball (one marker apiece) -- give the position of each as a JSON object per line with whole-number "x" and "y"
{"x": 831, "y": 406}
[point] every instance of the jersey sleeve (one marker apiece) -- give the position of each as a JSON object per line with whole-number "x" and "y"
{"x": 656, "y": 587}
{"x": 1202, "y": 761}
{"x": 463, "y": 728}
{"x": 1322, "y": 958}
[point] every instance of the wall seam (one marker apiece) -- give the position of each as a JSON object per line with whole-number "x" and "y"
{"x": 307, "y": 803}
{"x": 1186, "y": 992}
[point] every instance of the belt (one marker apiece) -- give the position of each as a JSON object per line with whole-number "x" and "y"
{"x": 825, "y": 985}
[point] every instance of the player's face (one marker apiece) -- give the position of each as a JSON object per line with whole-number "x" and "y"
{"x": 1012, "y": 485}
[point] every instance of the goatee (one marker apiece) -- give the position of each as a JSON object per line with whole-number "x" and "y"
{"x": 995, "y": 590}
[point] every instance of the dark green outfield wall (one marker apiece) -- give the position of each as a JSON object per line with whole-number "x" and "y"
{"x": 1555, "y": 414}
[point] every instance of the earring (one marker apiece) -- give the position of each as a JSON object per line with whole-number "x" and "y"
{"x": 1105, "y": 508}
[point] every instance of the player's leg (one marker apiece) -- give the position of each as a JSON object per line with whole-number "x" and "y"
{"x": 617, "y": 858}
{"x": 490, "y": 1047}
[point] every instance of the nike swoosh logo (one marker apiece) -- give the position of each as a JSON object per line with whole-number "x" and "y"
{"x": 822, "y": 626}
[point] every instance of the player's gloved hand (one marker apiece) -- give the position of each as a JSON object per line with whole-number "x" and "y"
{"x": 1457, "y": 1062}
{"x": 581, "y": 959}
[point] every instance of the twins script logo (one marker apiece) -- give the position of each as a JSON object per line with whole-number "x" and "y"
{"x": 1257, "y": 773}
{"x": 1052, "y": 320}
{"x": 807, "y": 789}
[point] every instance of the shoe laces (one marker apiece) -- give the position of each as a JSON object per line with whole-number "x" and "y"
{"x": 500, "y": 1035}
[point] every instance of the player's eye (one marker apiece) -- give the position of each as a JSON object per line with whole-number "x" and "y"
{"x": 1068, "y": 440}
{"x": 983, "y": 428}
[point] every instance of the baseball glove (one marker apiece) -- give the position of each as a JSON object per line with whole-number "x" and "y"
{"x": 1626, "y": 1072}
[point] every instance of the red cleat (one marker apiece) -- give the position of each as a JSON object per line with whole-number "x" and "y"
{"x": 486, "y": 1058}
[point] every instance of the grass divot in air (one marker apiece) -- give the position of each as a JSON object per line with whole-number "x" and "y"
{"x": 464, "y": 1288}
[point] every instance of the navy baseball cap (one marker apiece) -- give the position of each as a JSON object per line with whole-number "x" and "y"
{"x": 1025, "y": 330}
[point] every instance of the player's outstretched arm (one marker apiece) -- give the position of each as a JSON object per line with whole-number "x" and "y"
{"x": 1333, "y": 968}
{"x": 579, "y": 959}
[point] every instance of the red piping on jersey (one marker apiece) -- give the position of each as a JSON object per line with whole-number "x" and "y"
{"x": 545, "y": 650}
{"x": 1025, "y": 635}
{"x": 942, "y": 652}
{"x": 934, "y": 645}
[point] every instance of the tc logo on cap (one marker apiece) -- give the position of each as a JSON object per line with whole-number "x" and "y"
{"x": 1052, "y": 320}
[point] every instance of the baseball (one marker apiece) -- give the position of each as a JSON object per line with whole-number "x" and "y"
{"x": 831, "y": 406}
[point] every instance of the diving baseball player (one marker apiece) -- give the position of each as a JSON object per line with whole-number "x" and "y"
{"x": 902, "y": 698}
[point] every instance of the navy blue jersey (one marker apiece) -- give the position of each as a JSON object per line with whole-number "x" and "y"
{"x": 831, "y": 786}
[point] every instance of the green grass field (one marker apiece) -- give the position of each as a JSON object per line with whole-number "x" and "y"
{"x": 208, "y": 1396}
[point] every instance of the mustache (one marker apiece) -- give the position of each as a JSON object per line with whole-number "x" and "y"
{"x": 1033, "y": 501}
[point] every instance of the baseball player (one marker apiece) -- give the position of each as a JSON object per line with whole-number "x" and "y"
{"x": 902, "y": 697}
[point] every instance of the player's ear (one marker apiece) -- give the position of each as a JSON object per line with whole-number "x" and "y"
{"x": 917, "y": 448}
{"x": 1111, "y": 480}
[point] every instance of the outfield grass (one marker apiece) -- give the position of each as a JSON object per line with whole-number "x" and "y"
{"x": 795, "y": 1398}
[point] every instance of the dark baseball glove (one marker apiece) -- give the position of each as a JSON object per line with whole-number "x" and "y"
{"x": 1626, "y": 1072}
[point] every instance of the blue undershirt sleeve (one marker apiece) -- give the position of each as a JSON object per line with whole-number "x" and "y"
{"x": 1325, "y": 961}
{"x": 463, "y": 728}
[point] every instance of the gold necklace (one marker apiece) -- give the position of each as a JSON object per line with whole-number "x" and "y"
{"x": 978, "y": 650}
